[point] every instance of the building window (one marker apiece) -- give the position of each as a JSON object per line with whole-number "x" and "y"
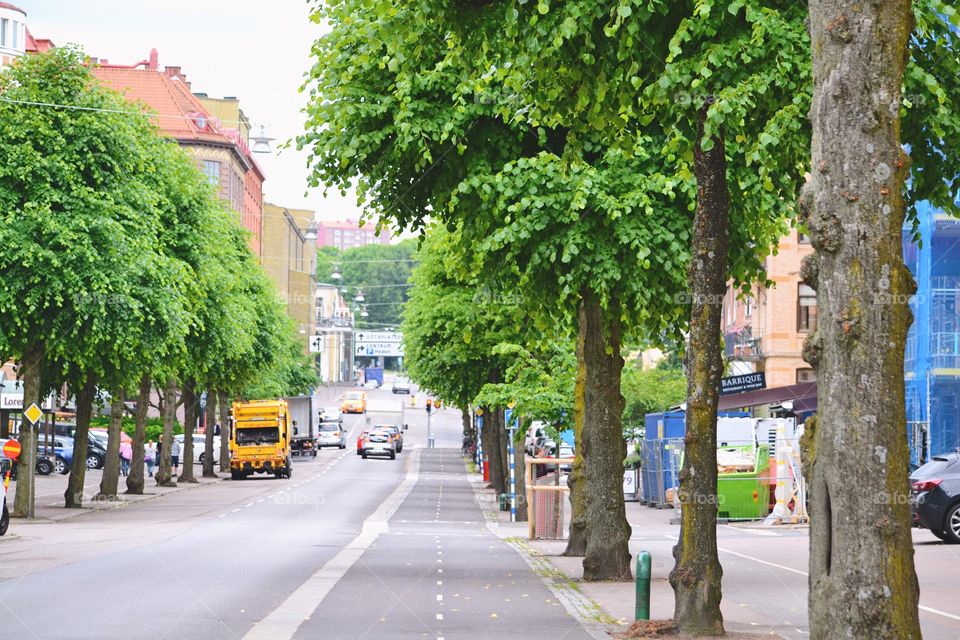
{"x": 806, "y": 375}
{"x": 16, "y": 33}
{"x": 803, "y": 238}
{"x": 748, "y": 306}
{"x": 211, "y": 169}
{"x": 806, "y": 308}
{"x": 3, "y": 31}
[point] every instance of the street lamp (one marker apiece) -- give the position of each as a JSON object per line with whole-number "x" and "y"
{"x": 336, "y": 274}
{"x": 363, "y": 313}
{"x": 312, "y": 231}
{"x": 261, "y": 143}
{"x": 359, "y": 297}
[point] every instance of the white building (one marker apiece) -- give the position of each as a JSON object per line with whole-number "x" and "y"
{"x": 13, "y": 33}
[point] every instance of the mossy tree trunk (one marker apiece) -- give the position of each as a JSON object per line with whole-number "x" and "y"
{"x": 862, "y": 579}
{"x": 111, "y": 464}
{"x": 607, "y": 554}
{"x": 135, "y": 480}
{"x": 208, "y": 434}
{"x": 577, "y": 543}
{"x": 223, "y": 400}
{"x": 191, "y": 413}
{"x": 31, "y": 366}
{"x": 73, "y": 496}
{"x": 164, "y": 474}
{"x": 696, "y": 576}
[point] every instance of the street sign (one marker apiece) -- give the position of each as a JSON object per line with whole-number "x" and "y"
{"x": 373, "y": 349}
{"x": 33, "y": 413}
{"x": 378, "y": 336}
{"x": 316, "y": 344}
{"x": 11, "y": 449}
{"x": 739, "y": 384}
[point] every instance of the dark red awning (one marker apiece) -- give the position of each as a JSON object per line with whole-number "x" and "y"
{"x": 803, "y": 396}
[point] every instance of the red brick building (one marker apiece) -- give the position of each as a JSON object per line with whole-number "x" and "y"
{"x": 220, "y": 150}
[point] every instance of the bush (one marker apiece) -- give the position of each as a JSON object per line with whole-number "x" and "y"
{"x": 154, "y": 426}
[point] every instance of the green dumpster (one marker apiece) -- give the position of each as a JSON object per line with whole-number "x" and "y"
{"x": 743, "y": 482}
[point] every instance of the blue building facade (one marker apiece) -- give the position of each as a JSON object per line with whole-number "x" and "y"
{"x": 932, "y": 359}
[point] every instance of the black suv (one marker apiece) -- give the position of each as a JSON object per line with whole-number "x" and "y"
{"x": 936, "y": 496}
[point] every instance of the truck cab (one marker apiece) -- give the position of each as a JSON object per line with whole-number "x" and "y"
{"x": 260, "y": 435}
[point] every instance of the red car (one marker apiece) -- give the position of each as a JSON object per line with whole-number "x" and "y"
{"x": 363, "y": 434}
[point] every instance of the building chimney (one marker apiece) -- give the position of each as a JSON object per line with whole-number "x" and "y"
{"x": 153, "y": 60}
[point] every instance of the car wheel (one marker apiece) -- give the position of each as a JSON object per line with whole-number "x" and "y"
{"x": 60, "y": 466}
{"x": 952, "y": 525}
{"x": 44, "y": 467}
{"x": 201, "y": 458}
{"x": 4, "y": 520}
{"x": 393, "y": 455}
{"x": 93, "y": 461}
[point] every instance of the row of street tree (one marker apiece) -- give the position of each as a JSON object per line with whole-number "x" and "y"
{"x": 121, "y": 270}
{"x": 618, "y": 163}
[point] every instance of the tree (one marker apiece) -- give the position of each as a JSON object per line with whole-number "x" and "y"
{"x": 382, "y": 273}
{"x": 865, "y": 59}
{"x": 650, "y": 391}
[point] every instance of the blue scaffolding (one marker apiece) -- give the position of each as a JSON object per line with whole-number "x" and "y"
{"x": 932, "y": 358}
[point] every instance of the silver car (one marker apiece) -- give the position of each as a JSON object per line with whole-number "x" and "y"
{"x": 379, "y": 443}
{"x": 331, "y": 434}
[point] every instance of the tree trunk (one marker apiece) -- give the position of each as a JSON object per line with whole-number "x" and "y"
{"x": 469, "y": 433}
{"x": 697, "y": 573}
{"x": 502, "y": 445}
{"x": 164, "y": 476}
{"x": 191, "y": 412}
{"x": 224, "y": 401}
{"x": 23, "y": 502}
{"x": 211, "y": 419}
{"x": 577, "y": 481}
{"x": 111, "y": 465}
{"x": 520, "y": 480}
{"x": 73, "y": 496}
{"x": 862, "y": 579}
{"x": 135, "y": 481}
{"x": 491, "y": 448}
{"x": 608, "y": 554}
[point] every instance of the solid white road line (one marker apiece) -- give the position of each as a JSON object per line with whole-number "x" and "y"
{"x": 283, "y": 622}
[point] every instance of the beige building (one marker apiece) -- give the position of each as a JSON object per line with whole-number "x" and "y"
{"x": 289, "y": 258}
{"x": 765, "y": 331}
{"x": 335, "y": 328}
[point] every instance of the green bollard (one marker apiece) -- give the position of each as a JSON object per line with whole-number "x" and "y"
{"x": 642, "y": 610}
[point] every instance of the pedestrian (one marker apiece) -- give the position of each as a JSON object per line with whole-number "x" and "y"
{"x": 126, "y": 455}
{"x": 175, "y": 457}
{"x": 150, "y": 456}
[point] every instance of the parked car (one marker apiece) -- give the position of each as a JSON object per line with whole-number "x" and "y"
{"x": 354, "y": 402}
{"x": 43, "y": 466}
{"x": 401, "y": 385}
{"x": 535, "y": 434}
{"x": 395, "y": 431}
{"x": 379, "y": 443}
{"x": 331, "y": 434}
{"x": 331, "y": 414}
{"x": 96, "y": 443}
{"x": 199, "y": 447}
{"x": 5, "y": 466}
{"x": 936, "y": 496}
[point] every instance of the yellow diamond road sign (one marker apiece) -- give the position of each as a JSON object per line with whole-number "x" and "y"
{"x": 33, "y": 413}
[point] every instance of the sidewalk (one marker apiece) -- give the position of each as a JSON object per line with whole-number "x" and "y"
{"x": 614, "y": 601}
{"x": 49, "y": 496}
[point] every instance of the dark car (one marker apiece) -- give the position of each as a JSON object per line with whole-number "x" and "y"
{"x": 936, "y": 496}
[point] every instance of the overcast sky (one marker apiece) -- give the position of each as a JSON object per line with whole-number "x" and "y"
{"x": 255, "y": 50}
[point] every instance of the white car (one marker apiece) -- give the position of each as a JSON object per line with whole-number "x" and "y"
{"x": 331, "y": 434}
{"x": 401, "y": 385}
{"x": 331, "y": 414}
{"x": 199, "y": 447}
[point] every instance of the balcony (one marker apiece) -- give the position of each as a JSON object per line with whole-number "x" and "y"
{"x": 743, "y": 344}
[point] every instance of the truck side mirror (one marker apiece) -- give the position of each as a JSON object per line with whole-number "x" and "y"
{"x": 405, "y": 427}
{"x": 296, "y": 431}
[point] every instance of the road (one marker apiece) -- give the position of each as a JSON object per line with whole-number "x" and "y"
{"x": 346, "y": 548}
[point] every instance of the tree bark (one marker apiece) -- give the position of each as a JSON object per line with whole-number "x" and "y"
{"x": 224, "y": 401}
{"x": 697, "y": 573}
{"x": 163, "y": 475}
{"x": 31, "y": 366}
{"x": 607, "y": 556}
{"x": 135, "y": 481}
{"x": 577, "y": 481}
{"x": 191, "y": 412}
{"x": 73, "y": 496}
{"x": 520, "y": 481}
{"x": 491, "y": 448}
{"x": 111, "y": 465}
{"x": 469, "y": 433}
{"x": 862, "y": 579}
{"x": 211, "y": 419}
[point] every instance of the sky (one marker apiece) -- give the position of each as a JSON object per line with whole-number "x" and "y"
{"x": 255, "y": 50}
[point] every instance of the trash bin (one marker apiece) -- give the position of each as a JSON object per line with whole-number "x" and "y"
{"x": 743, "y": 484}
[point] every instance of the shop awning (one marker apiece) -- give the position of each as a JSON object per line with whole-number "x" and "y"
{"x": 803, "y": 396}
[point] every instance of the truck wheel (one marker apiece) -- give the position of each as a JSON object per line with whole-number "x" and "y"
{"x": 393, "y": 455}
{"x": 236, "y": 475}
{"x": 364, "y": 455}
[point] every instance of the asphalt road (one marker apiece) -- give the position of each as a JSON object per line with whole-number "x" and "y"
{"x": 346, "y": 548}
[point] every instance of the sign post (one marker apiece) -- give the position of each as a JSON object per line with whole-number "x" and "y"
{"x": 316, "y": 344}
{"x": 511, "y": 454}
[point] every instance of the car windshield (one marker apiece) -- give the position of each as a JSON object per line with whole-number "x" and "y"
{"x": 330, "y": 410}
{"x": 378, "y": 437}
{"x": 258, "y": 435}
{"x": 354, "y": 396}
{"x": 329, "y": 427}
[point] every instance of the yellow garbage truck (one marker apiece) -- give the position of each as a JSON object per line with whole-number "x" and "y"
{"x": 260, "y": 435}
